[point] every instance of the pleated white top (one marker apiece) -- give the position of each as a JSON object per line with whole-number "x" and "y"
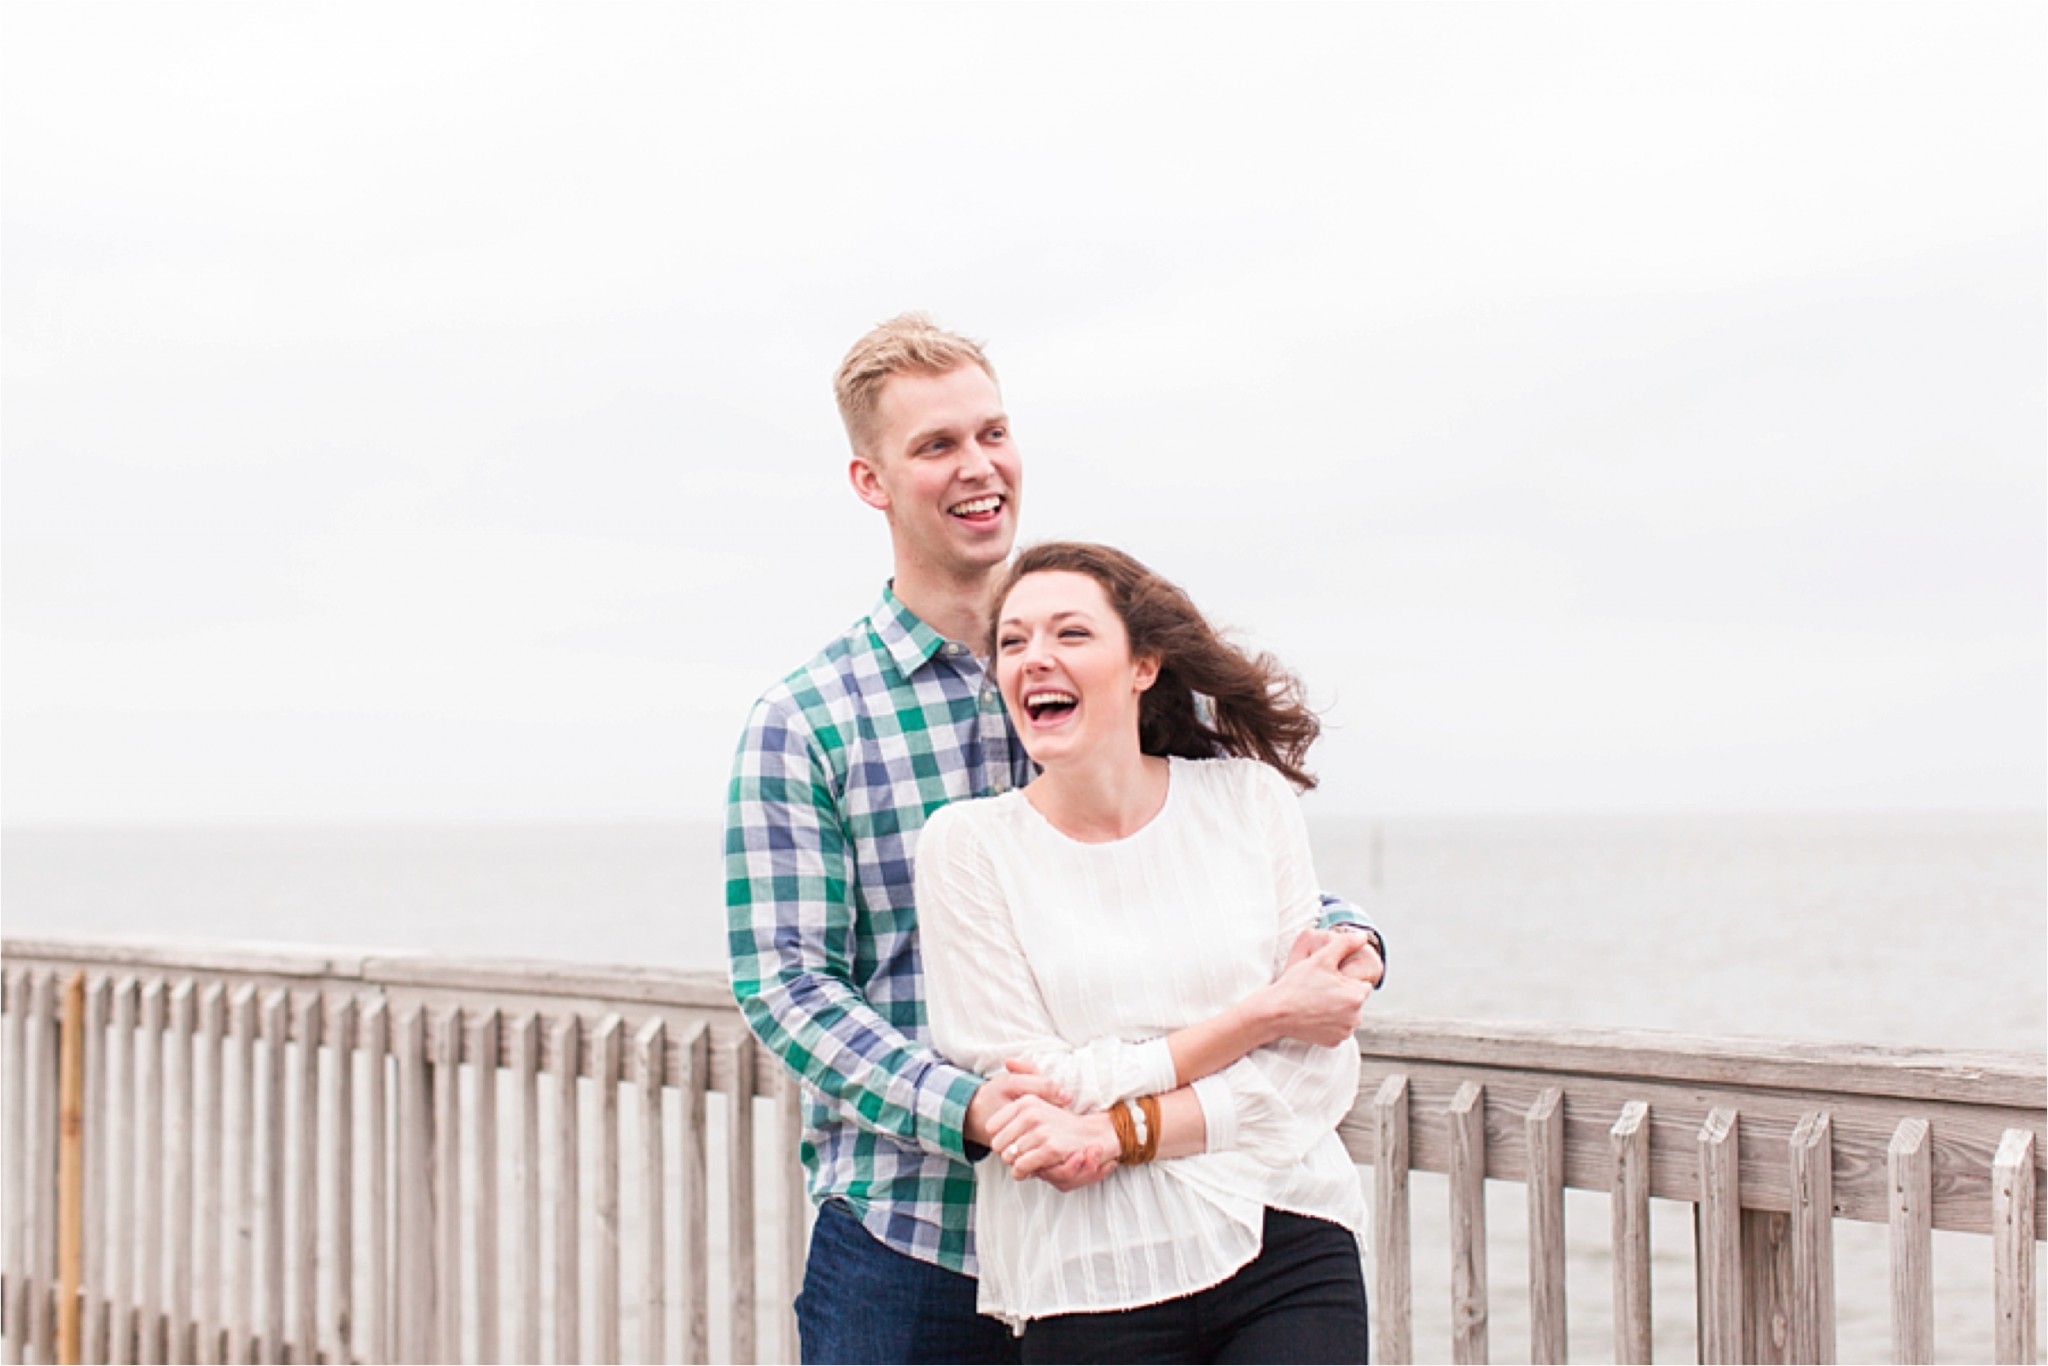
{"x": 1080, "y": 958}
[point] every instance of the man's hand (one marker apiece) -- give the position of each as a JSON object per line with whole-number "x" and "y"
{"x": 1017, "y": 1080}
{"x": 1312, "y": 1000}
{"x": 1361, "y": 963}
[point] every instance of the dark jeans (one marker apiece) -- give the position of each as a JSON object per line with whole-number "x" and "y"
{"x": 1302, "y": 1299}
{"x": 863, "y": 1301}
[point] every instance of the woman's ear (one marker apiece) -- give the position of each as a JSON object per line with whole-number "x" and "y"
{"x": 1148, "y": 672}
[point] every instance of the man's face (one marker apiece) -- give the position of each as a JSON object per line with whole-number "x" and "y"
{"x": 943, "y": 467}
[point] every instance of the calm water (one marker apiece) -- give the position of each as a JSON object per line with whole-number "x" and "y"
{"x": 1894, "y": 929}
{"x": 1898, "y": 929}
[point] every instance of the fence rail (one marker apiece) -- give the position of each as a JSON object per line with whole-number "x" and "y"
{"x": 228, "y": 1154}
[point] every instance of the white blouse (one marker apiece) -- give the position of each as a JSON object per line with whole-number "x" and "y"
{"x": 1081, "y": 958}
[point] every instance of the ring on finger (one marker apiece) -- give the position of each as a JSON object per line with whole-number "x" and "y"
{"x": 1010, "y": 1153}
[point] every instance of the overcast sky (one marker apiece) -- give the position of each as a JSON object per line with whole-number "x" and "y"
{"x": 420, "y": 412}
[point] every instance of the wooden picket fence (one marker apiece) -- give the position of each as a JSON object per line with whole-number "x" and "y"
{"x": 229, "y": 1154}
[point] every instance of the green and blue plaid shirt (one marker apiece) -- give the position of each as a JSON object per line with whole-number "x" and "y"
{"x": 840, "y": 766}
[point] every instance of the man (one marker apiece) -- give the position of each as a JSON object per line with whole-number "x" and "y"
{"x": 840, "y": 766}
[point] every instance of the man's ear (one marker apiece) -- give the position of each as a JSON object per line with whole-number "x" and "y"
{"x": 1148, "y": 672}
{"x": 866, "y": 486}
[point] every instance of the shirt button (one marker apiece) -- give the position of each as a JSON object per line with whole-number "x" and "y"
{"x": 1001, "y": 785}
{"x": 954, "y": 649}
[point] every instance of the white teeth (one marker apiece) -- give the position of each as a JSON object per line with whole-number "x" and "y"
{"x": 975, "y": 505}
{"x": 1046, "y": 699}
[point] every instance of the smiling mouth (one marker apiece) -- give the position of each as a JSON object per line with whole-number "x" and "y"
{"x": 979, "y": 511}
{"x": 1049, "y": 704}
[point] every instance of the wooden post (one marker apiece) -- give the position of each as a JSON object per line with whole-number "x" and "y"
{"x": 375, "y": 1338}
{"x": 20, "y": 985}
{"x": 1630, "y": 1143}
{"x": 1813, "y": 1239}
{"x": 121, "y": 1248}
{"x": 484, "y": 1132}
{"x": 1908, "y": 1163}
{"x": 414, "y": 1277}
{"x": 1468, "y": 1224}
{"x": 46, "y": 1043}
{"x": 1393, "y": 1293}
{"x": 241, "y": 1317}
{"x": 70, "y": 1168}
{"x": 445, "y": 1081}
{"x": 150, "y": 1232}
{"x": 650, "y": 1062}
{"x": 341, "y": 1164}
{"x": 605, "y": 1199}
{"x": 2012, "y": 1245}
{"x": 796, "y": 1210}
{"x": 212, "y": 1135}
{"x": 526, "y": 1067}
{"x": 304, "y": 1342}
{"x": 1544, "y": 1128}
{"x": 183, "y": 1145}
{"x": 692, "y": 1163}
{"x": 270, "y": 1082}
{"x": 567, "y": 1046}
{"x": 99, "y": 997}
{"x": 739, "y": 1159}
{"x": 1717, "y": 1231}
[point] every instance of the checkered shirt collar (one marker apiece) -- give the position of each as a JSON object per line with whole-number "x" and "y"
{"x": 903, "y": 634}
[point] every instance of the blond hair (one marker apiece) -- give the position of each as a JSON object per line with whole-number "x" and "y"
{"x": 909, "y": 343}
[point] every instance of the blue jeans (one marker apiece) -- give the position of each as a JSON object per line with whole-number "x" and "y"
{"x": 863, "y": 1301}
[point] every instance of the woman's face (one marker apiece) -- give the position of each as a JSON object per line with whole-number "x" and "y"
{"x": 1063, "y": 661}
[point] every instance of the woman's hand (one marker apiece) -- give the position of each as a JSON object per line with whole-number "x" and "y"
{"x": 1036, "y": 1138}
{"x": 1313, "y": 1000}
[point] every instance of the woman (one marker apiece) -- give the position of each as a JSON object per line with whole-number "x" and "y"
{"x": 1137, "y": 924}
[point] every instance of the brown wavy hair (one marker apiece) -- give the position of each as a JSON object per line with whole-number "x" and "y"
{"x": 1211, "y": 698}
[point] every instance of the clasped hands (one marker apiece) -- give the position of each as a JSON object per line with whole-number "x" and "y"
{"x": 1025, "y": 1117}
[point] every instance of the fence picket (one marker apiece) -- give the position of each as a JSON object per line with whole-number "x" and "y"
{"x": 99, "y": 1232}
{"x": 304, "y": 1342}
{"x": 1912, "y": 1242}
{"x": 566, "y": 1044}
{"x": 20, "y": 988}
{"x": 121, "y": 1249}
{"x": 183, "y": 1143}
{"x": 444, "y": 1079}
{"x": 2012, "y": 1245}
{"x": 650, "y": 1068}
{"x": 484, "y": 1142}
{"x": 605, "y": 1199}
{"x": 1717, "y": 1230}
{"x": 526, "y": 1066}
{"x": 1630, "y": 1144}
{"x": 241, "y": 1317}
{"x": 149, "y": 1228}
{"x": 42, "y": 1320}
{"x": 1813, "y": 1239}
{"x": 413, "y": 1275}
{"x": 1543, "y": 1128}
{"x": 341, "y": 1167}
{"x": 1468, "y": 1224}
{"x": 271, "y": 1085}
{"x": 692, "y": 1163}
{"x": 739, "y": 1157}
{"x": 374, "y": 1336}
{"x": 1393, "y": 1314}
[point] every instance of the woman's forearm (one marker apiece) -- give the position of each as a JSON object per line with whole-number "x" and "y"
{"x": 1211, "y": 1045}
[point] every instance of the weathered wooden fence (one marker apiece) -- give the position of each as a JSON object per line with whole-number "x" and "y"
{"x": 291, "y": 1155}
